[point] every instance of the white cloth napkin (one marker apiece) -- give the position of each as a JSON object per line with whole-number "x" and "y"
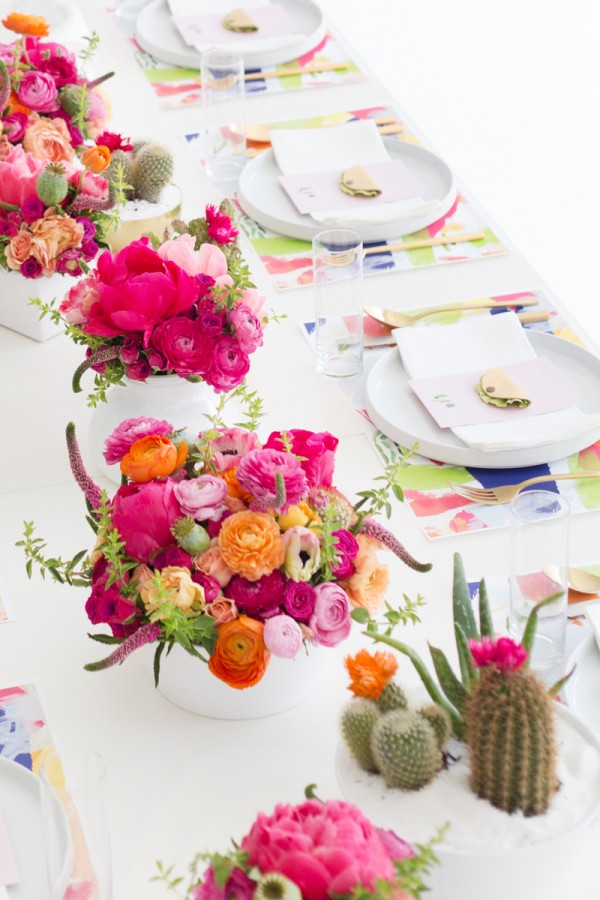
{"x": 338, "y": 147}
{"x": 484, "y": 342}
{"x": 592, "y": 614}
{"x": 222, "y": 7}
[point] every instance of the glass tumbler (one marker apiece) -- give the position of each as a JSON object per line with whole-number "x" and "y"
{"x": 224, "y": 125}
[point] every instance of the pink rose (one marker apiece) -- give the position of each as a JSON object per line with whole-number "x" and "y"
{"x": 230, "y": 446}
{"x": 117, "y": 444}
{"x": 330, "y": 621}
{"x": 248, "y": 329}
{"x": 317, "y": 448}
{"x": 229, "y": 365}
{"x": 184, "y": 344}
{"x": 137, "y": 291}
{"x": 202, "y": 498}
{"x": 253, "y": 300}
{"x": 38, "y": 91}
{"x": 143, "y": 515}
{"x": 213, "y": 564}
{"x": 222, "y": 610}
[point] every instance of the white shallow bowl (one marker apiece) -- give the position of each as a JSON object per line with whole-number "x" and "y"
{"x": 67, "y": 25}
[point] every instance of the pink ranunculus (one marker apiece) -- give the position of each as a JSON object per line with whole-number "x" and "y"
{"x": 184, "y": 344}
{"x": 502, "y": 654}
{"x": 229, "y": 364}
{"x": 19, "y": 172}
{"x": 254, "y": 300}
{"x": 299, "y": 600}
{"x": 105, "y": 605}
{"x": 143, "y": 515}
{"x": 138, "y": 290}
{"x": 283, "y": 636}
{"x": 231, "y": 445}
{"x": 330, "y": 621}
{"x": 346, "y": 548}
{"x": 317, "y": 448}
{"x": 202, "y": 498}
{"x": 80, "y": 299}
{"x": 256, "y": 473}
{"x": 209, "y": 889}
{"x": 248, "y": 329}
{"x": 13, "y": 126}
{"x": 38, "y": 91}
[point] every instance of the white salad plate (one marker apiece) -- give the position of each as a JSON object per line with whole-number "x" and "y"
{"x": 22, "y": 811}
{"x": 261, "y": 195}
{"x": 582, "y": 691}
{"x": 157, "y": 35}
{"x": 399, "y": 414}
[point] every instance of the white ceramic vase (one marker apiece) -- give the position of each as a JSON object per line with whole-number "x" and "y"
{"x": 17, "y": 313}
{"x": 541, "y": 867}
{"x": 182, "y": 403}
{"x": 187, "y": 683}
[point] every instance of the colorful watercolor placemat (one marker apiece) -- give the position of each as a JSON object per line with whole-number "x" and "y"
{"x": 24, "y": 734}
{"x": 176, "y": 87}
{"x": 438, "y": 510}
{"x": 289, "y": 261}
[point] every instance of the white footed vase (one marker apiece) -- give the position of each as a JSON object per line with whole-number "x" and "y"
{"x": 17, "y": 313}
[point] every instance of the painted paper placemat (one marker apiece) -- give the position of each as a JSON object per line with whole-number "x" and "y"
{"x": 289, "y": 260}
{"x": 24, "y": 734}
{"x": 440, "y": 512}
{"x": 176, "y": 87}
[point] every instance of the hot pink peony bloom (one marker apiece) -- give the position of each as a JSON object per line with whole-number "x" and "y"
{"x": 80, "y": 299}
{"x": 231, "y": 445}
{"x": 138, "y": 290}
{"x": 105, "y": 605}
{"x": 248, "y": 330}
{"x": 19, "y": 172}
{"x": 283, "y": 636}
{"x": 229, "y": 365}
{"x": 203, "y": 498}
{"x": 256, "y": 473}
{"x": 185, "y": 346}
{"x": 330, "y": 621}
{"x": 503, "y": 654}
{"x": 324, "y": 848}
{"x": 126, "y": 433}
{"x": 143, "y": 515}
{"x": 318, "y": 448}
{"x": 38, "y": 91}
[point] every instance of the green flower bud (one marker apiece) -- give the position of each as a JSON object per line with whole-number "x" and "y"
{"x": 52, "y": 186}
{"x": 274, "y": 886}
{"x": 73, "y": 98}
{"x": 190, "y": 536}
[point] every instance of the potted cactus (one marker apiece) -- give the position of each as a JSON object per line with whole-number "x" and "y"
{"x": 518, "y": 782}
{"x": 152, "y": 200}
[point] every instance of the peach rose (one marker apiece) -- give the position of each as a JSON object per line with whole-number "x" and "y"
{"x": 51, "y": 236}
{"x": 222, "y": 610}
{"x": 370, "y": 581}
{"x": 181, "y": 590}
{"x": 48, "y": 139}
{"x": 18, "y": 249}
{"x": 212, "y": 563}
{"x": 251, "y": 544}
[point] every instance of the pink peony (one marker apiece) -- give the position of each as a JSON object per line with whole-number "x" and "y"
{"x": 256, "y": 473}
{"x": 88, "y": 184}
{"x": 317, "y": 448}
{"x": 330, "y": 621}
{"x": 231, "y": 445}
{"x": 19, "y": 172}
{"x": 180, "y": 250}
{"x": 143, "y": 515}
{"x": 185, "y": 346}
{"x": 105, "y": 605}
{"x": 173, "y": 556}
{"x": 137, "y": 291}
{"x": 229, "y": 364}
{"x": 117, "y": 444}
{"x": 283, "y": 636}
{"x": 80, "y": 299}
{"x": 213, "y": 262}
{"x": 248, "y": 330}
{"x": 503, "y": 654}
{"x": 38, "y": 91}
{"x": 202, "y": 498}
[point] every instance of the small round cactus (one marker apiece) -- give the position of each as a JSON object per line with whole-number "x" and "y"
{"x": 152, "y": 171}
{"x": 392, "y": 697}
{"x": 405, "y": 749}
{"x": 439, "y": 720}
{"x": 358, "y": 720}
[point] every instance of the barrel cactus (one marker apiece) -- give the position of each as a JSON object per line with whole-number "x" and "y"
{"x": 358, "y": 720}
{"x": 405, "y": 749}
{"x": 147, "y": 169}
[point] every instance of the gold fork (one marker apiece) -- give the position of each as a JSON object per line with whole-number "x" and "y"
{"x": 506, "y": 492}
{"x": 396, "y": 319}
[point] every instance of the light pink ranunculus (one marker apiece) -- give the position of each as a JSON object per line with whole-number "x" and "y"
{"x": 143, "y": 515}
{"x": 256, "y": 473}
{"x": 203, "y": 497}
{"x": 330, "y": 621}
{"x": 282, "y": 636}
{"x": 129, "y": 431}
{"x": 248, "y": 330}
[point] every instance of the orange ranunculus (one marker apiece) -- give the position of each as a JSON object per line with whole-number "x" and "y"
{"x": 251, "y": 545}
{"x": 15, "y": 106}
{"x": 96, "y": 159}
{"x": 153, "y": 456}
{"x": 370, "y": 580}
{"x": 240, "y": 657}
{"x": 234, "y": 488}
{"x": 370, "y": 673}
{"x": 21, "y": 23}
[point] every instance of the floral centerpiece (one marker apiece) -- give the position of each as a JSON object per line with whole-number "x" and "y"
{"x": 233, "y": 549}
{"x": 46, "y": 104}
{"x": 311, "y": 851}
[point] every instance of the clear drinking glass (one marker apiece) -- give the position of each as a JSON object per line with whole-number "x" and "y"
{"x": 224, "y": 125}
{"x": 539, "y": 566}
{"x": 75, "y": 821}
{"x": 337, "y": 266}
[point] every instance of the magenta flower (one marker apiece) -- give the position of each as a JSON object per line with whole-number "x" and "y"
{"x": 299, "y": 600}
{"x": 248, "y": 329}
{"x": 396, "y": 847}
{"x": 38, "y": 91}
{"x": 52, "y": 58}
{"x": 211, "y": 586}
{"x": 117, "y": 444}
{"x": 131, "y": 348}
{"x": 259, "y": 599}
{"x": 283, "y": 636}
{"x": 231, "y": 445}
{"x": 302, "y": 553}
{"x": 105, "y": 605}
{"x": 257, "y": 473}
{"x": 220, "y": 226}
{"x": 143, "y": 515}
{"x": 80, "y": 299}
{"x": 173, "y": 556}
{"x": 330, "y": 621}
{"x": 185, "y": 346}
{"x": 13, "y": 126}
{"x": 140, "y": 370}
{"x": 113, "y": 141}
{"x": 203, "y": 498}
{"x": 502, "y": 654}
{"x": 317, "y": 448}
{"x": 229, "y": 365}
{"x": 346, "y": 548}
{"x": 31, "y": 268}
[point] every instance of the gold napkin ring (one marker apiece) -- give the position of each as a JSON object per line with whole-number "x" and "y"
{"x": 239, "y": 21}
{"x": 357, "y": 182}
{"x": 498, "y": 388}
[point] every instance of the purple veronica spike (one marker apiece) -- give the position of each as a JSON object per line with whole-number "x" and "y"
{"x": 92, "y": 491}
{"x": 379, "y": 533}
{"x": 100, "y": 356}
{"x": 147, "y": 634}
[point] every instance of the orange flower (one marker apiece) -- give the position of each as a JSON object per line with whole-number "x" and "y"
{"x": 251, "y": 545}
{"x": 234, "y": 488}
{"x": 153, "y": 456}
{"x": 15, "y": 105}
{"x": 24, "y": 24}
{"x": 370, "y": 673}
{"x": 240, "y": 657}
{"x": 370, "y": 580}
{"x": 96, "y": 159}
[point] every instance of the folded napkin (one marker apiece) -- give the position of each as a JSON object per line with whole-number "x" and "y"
{"x": 252, "y": 43}
{"x": 340, "y": 147}
{"x": 485, "y": 342}
{"x": 592, "y": 614}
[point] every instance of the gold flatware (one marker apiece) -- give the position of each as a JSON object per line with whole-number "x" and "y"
{"x": 396, "y": 319}
{"x": 260, "y": 132}
{"x": 456, "y": 237}
{"x": 296, "y": 70}
{"x": 505, "y": 493}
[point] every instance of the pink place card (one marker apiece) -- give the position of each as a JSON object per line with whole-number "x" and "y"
{"x": 320, "y": 191}
{"x": 452, "y": 399}
{"x": 9, "y": 872}
{"x": 271, "y": 20}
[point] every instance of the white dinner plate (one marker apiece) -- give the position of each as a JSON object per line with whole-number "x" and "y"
{"x": 261, "y": 195}
{"x": 156, "y": 34}
{"x": 582, "y": 691}
{"x": 398, "y": 412}
{"x": 22, "y": 810}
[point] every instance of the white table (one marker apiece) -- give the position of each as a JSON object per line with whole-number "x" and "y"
{"x": 515, "y": 115}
